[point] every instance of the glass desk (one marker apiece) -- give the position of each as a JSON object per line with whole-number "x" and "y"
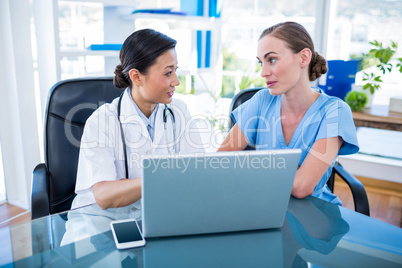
{"x": 315, "y": 234}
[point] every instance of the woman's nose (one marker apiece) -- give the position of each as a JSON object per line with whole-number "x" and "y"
{"x": 175, "y": 81}
{"x": 265, "y": 71}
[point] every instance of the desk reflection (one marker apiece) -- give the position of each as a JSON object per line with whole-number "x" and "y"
{"x": 310, "y": 224}
{"x": 315, "y": 233}
{"x": 261, "y": 248}
{"x": 92, "y": 220}
{"x": 319, "y": 230}
{"x": 96, "y": 251}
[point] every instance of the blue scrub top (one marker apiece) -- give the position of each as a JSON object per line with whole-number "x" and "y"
{"x": 259, "y": 120}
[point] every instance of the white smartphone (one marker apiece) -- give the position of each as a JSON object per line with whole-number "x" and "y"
{"x": 127, "y": 234}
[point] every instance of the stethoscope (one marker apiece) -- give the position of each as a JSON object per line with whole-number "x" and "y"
{"x": 165, "y": 111}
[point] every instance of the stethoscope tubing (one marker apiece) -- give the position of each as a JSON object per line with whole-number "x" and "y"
{"x": 165, "y": 110}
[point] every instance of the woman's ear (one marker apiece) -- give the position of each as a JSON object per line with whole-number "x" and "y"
{"x": 305, "y": 57}
{"x": 135, "y": 76}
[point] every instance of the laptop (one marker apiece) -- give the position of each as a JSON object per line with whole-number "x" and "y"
{"x": 219, "y": 192}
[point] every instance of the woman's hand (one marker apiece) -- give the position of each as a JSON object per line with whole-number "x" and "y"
{"x": 316, "y": 163}
{"x": 113, "y": 194}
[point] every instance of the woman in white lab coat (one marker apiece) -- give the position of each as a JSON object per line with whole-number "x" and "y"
{"x": 152, "y": 123}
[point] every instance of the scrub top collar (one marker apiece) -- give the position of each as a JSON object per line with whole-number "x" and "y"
{"x": 149, "y": 122}
{"x": 299, "y": 128}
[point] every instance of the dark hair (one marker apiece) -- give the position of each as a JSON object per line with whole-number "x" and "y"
{"x": 140, "y": 51}
{"x": 297, "y": 38}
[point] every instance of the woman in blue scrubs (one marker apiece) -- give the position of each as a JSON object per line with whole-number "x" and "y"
{"x": 291, "y": 114}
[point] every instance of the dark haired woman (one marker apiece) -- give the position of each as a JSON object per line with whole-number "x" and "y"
{"x": 152, "y": 123}
{"x": 290, "y": 114}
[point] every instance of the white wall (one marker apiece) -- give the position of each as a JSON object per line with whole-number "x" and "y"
{"x": 47, "y": 42}
{"x": 18, "y": 119}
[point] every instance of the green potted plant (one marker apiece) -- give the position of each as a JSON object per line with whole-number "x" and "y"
{"x": 357, "y": 100}
{"x": 379, "y": 56}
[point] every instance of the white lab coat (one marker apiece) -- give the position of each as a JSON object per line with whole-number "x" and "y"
{"x": 101, "y": 155}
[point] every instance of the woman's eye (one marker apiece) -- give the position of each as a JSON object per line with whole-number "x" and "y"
{"x": 168, "y": 73}
{"x": 271, "y": 60}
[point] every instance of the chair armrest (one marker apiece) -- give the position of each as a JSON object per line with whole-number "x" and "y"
{"x": 40, "y": 189}
{"x": 358, "y": 192}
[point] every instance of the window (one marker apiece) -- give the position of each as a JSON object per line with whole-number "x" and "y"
{"x": 80, "y": 25}
{"x": 358, "y": 22}
{"x": 243, "y": 22}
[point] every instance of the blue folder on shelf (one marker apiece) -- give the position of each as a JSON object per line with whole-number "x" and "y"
{"x": 105, "y": 47}
{"x": 340, "y": 77}
{"x": 159, "y": 11}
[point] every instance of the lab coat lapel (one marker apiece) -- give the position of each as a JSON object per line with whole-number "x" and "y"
{"x": 159, "y": 126}
{"x": 131, "y": 119}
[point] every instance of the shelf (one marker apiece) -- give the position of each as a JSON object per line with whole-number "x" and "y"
{"x": 378, "y": 116}
{"x": 172, "y": 16}
{"x": 197, "y": 22}
{"x": 119, "y": 22}
{"x": 132, "y": 3}
{"x": 76, "y": 52}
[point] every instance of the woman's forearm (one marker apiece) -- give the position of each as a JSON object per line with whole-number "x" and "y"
{"x": 113, "y": 194}
{"x": 234, "y": 141}
{"x": 316, "y": 163}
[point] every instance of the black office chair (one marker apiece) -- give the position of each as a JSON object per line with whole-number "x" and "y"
{"x": 358, "y": 192}
{"x": 69, "y": 104}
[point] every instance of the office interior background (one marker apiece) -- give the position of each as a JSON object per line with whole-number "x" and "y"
{"x": 45, "y": 41}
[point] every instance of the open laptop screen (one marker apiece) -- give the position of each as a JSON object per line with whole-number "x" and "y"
{"x": 219, "y": 192}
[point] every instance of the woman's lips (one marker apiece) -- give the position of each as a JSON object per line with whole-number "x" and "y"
{"x": 170, "y": 93}
{"x": 270, "y": 83}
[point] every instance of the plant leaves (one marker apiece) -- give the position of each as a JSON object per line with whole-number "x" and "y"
{"x": 378, "y": 79}
{"x": 381, "y": 67}
{"x": 356, "y": 100}
{"x": 365, "y": 76}
{"x": 394, "y": 45}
